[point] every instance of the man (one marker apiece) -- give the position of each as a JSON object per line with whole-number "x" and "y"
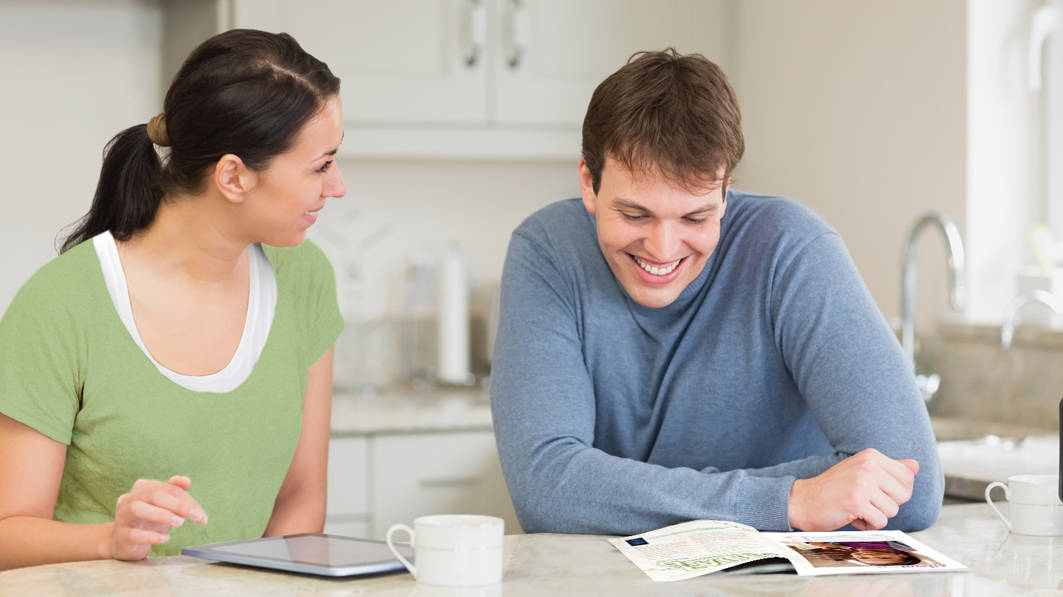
{"x": 670, "y": 348}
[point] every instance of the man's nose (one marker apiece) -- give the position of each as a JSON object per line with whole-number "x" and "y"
{"x": 663, "y": 242}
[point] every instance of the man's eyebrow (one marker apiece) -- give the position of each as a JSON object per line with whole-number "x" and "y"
{"x": 632, "y": 205}
{"x": 629, "y": 204}
{"x": 704, "y": 209}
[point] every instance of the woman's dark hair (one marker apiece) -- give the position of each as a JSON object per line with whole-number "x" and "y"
{"x": 243, "y": 92}
{"x": 666, "y": 111}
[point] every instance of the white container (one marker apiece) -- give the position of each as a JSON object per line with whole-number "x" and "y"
{"x": 453, "y": 333}
{"x": 453, "y": 550}
{"x": 1033, "y": 504}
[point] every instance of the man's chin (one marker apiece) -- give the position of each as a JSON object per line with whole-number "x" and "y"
{"x": 653, "y": 299}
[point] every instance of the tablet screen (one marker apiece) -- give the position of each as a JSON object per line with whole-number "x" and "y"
{"x": 319, "y": 550}
{"x": 309, "y": 552}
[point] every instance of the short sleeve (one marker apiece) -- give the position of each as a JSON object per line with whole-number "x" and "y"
{"x": 316, "y": 298}
{"x": 41, "y": 357}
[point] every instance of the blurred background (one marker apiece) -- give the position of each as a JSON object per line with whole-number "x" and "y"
{"x": 463, "y": 117}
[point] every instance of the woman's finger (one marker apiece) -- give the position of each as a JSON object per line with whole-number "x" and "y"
{"x": 147, "y": 512}
{"x": 138, "y": 536}
{"x": 176, "y": 500}
{"x": 181, "y": 481}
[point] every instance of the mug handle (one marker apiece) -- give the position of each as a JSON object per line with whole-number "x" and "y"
{"x": 989, "y": 500}
{"x": 409, "y": 531}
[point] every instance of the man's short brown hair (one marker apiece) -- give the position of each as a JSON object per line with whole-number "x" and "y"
{"x": 668, "y": 112}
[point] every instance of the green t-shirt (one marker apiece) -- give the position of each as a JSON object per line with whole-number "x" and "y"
{"x": 70, "y": 369}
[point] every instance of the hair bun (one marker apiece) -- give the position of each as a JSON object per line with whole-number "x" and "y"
{"x": 157, "y": 131}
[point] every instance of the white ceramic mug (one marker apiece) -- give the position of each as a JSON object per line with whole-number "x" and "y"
{"x": 1032, "y": 502}
{"x": 453, "y": 550}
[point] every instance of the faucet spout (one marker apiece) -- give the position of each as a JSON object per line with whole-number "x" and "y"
{"x": 957, "y": 280}
{"x": 957, "y": 266}
{"x": 1007, "y": 328}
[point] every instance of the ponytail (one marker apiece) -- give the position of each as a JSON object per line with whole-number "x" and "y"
{"x": 243, "y": 92}
{"x": 129, "y": 190}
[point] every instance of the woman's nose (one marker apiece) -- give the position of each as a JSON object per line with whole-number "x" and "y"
{"x": 334, "y": 185}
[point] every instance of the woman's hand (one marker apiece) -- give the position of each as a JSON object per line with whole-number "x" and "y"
{"x": 144, "y": 516}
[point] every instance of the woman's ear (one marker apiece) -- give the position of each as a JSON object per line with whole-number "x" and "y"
{"x": 233, "y": 179}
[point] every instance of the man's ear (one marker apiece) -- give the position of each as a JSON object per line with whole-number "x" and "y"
{"x": 233, "y": 179}
{"x": 727, "y": 182}
{"x": 586, "y": 185}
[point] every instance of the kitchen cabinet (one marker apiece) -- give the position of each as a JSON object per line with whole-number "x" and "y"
{"x": 348, "y": 487}
{"x": 380, "y": 479}
{"x": 463, "y": 78}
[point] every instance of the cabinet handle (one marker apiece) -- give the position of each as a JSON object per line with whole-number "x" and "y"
{"x": 459, "y": 482}
{"x": 518, "y": 38}
{"x": 476, "y": 20}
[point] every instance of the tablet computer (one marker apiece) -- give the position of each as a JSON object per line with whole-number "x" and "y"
{"x": 308, "y": 553}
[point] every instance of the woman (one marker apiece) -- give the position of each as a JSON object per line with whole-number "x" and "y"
{"x": 184, "y": 334}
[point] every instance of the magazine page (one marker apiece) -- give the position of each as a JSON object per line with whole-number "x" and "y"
{"x": 690, "y": 549}
{"x": 861, "y": 552}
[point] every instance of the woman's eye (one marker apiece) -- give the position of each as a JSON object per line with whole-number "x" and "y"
{"x": 324, "y": 167}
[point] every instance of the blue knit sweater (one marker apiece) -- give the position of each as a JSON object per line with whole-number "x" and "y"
{"x": 773, "y": 365}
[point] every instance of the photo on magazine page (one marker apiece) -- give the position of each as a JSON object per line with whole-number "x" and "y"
{"x": 823, "y": 554}
{"x": 866, "y": 552}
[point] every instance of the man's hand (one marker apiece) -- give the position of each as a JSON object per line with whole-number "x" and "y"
{"x": 865, "y": 490}
{"x": 144, "y": 516}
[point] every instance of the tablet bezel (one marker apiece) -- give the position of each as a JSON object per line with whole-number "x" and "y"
{"x": 211, "y": 552}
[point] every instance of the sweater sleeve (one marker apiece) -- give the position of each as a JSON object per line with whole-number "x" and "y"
{"x": 852, "y": 373}
{"x": 843, "y": 357}
{"x": 543, "y": 406}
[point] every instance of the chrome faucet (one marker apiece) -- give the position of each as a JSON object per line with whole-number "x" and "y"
{"x": 957, "y": 263}
{"x": 1007, "y": 327}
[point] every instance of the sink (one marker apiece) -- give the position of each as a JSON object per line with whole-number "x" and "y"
{"x": 947, "y": 429}
{"x": 972, "y": 464}
{"x": 976, "y": 453}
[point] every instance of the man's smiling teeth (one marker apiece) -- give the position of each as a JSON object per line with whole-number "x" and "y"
{"x": 655, "y": 270}
{"x": 310, "y": 213}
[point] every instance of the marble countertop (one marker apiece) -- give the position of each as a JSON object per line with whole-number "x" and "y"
{"x": 411, "y": 411}
{"x": 544, "y": 564}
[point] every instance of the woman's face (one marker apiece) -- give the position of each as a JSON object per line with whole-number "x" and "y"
{"x": 288, "y": 195}
{"x": 879, "y": 557}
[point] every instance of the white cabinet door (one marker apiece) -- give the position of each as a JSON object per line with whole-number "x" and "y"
{"x": 400, "y": 61}
{"x": 348, "y": 477}
{"x": 553, "y": 53}
{"x": 437, "y": 473}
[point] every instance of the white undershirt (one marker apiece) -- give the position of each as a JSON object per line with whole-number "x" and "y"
{"x": 261, "y": 304}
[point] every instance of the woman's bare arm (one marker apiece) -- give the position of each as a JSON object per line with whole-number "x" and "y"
{"x": 300, "y": 504}
{"x": 31, "y": 468}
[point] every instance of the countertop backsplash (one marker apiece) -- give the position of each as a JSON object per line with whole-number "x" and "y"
{"x": 982, "y": 381}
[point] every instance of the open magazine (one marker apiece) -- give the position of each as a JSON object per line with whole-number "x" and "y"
{"x": 698, "y": 547}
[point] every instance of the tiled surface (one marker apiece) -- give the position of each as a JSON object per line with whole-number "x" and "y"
{"x": 981, "y": 381}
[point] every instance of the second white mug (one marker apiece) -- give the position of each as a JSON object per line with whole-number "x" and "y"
{"x": 453, "y": 550}
{"x": 1033, "y": 504}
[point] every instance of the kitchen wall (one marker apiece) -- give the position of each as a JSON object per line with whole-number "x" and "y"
{"x": 857, "y": 109}
{"x": 73, "y": 74}
{"x": 860, "y": 109}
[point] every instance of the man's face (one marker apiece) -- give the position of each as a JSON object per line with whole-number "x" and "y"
{"x": 655, "y": 235}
